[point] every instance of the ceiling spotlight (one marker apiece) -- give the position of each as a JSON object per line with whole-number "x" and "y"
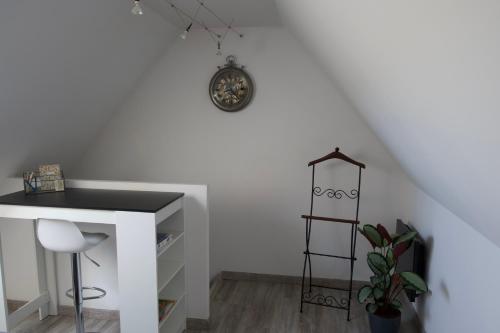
{"x": 137, "y": 9}
{"x": 219, "y": 51}
{"x": 184, "y": 34}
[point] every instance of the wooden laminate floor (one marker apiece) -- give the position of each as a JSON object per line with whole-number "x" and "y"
{"x": 65, "y": 324}
{"x": 268, "y": 307}
{"x": 246, "y": 307}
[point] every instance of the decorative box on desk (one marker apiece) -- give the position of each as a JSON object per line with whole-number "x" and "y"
{"x": 48, "y": 178}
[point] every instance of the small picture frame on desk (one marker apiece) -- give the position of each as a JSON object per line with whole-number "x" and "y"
{"x": 48, "y": 178}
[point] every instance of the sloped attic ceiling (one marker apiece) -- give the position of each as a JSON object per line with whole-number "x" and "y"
{"x": 426, "y": 76}
{"x": 65, "y": 66}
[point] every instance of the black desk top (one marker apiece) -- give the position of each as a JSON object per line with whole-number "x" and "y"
{"x": 132, "y": 201}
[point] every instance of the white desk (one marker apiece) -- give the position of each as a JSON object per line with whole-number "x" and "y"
{"x": 136, "y": 229}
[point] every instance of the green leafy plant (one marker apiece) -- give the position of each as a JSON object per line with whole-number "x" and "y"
{"x": 386, "y": 284}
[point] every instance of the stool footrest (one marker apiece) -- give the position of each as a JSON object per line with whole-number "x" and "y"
{"x": 69, "y": 293}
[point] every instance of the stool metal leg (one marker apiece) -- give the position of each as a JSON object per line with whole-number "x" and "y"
{"x": 77, "y": 292}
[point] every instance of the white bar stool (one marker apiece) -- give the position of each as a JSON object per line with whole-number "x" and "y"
{"x": 66, "y": 237}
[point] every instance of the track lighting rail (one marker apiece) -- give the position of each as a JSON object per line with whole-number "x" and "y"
{"x": 217, "y": 38}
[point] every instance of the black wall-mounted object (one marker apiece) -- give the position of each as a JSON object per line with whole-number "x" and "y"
{"x": 414, "y": 259}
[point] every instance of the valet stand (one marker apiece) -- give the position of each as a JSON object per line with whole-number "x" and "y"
{"x": 309, "y": 294}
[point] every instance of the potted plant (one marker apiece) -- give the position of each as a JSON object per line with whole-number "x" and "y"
{"x": 386, "y": 284}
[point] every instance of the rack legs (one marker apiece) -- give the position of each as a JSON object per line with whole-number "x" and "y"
{"x": 317, "y": 298}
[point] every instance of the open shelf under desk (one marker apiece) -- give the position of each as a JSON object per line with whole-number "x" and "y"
{"x": 176, "y": 318}
{"x": 167, "y": 271}
{"x": 177, "y": 235}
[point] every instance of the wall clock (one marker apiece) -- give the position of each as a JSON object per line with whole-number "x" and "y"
{"x": 231, "y": 88}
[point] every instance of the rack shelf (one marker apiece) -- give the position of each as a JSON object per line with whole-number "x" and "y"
{"x": 329, "y": 219}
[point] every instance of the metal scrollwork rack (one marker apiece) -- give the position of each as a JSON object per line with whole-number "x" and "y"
{"x": 308, "y": 294}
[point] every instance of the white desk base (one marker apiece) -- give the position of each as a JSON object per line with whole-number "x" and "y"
{"x": 45, "y": 303}
{"x": 136, "y": 256}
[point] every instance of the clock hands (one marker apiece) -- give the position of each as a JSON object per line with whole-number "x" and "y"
{"x": 231, "y": 90}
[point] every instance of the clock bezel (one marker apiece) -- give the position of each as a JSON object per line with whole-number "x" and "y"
{"x": 231, "y": 68}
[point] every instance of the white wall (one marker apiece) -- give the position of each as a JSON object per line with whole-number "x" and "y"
{"x": 425, "y": 76}
{"x": 462, "y": 268}
{"x": 254, "y": 161}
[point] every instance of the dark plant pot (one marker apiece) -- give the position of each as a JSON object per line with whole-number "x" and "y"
{"x": 379, "y": 324}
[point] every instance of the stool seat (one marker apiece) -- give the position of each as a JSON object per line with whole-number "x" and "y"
{"x": 65, "y": 236}
{"x": 94, "y": 238}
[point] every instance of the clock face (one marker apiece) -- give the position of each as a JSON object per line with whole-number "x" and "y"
{"x": 231, "y": 89}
